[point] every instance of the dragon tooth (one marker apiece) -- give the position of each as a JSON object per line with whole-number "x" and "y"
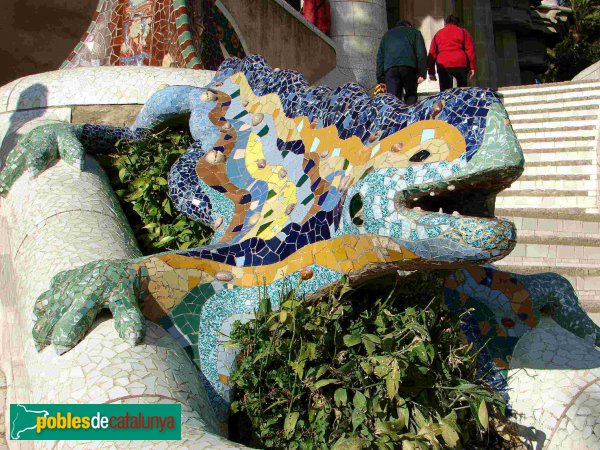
{"x": 456, "y": 213}
{"x": 432, "y": 194}
{"x": 451, "y": 187}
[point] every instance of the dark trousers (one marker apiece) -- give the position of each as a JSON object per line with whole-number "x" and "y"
{"x": 446, "y": 74}
{"x": 402, "y": 78}
{"x": 294, "y": 4}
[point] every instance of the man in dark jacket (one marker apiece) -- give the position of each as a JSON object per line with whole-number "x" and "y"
{"x": 453, "y": 51}
{"x": 402, "y": 61}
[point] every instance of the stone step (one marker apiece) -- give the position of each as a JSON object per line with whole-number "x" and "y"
{"x": 558, "y": 150}
{"x": 555, "y": 227}
{"x": 551, "y": 110}
{"x": 555, "y": 255}
{"x": 543, "y": 102}
{"x": 558, "y": 155}
{"x": 559, "y": 168}
{"x": 568, "y": 214}
{"x": 557, "y": 97}
{"x": 558, "y": 123}
{"x": 556, "y": 93}
{"x": 562, "y": 238}
{"x": 549, "y": 87}
{"x": 554, "y": 182}
{"x": 563, "y": 132}
{"x": 547, "y": 199}
{"x": 552, "y": 142}
{"x": 519, "y": 117}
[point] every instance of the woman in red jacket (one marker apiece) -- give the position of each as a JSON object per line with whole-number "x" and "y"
{"x": 318, "y": 12}
{"x": 453, "y": 50}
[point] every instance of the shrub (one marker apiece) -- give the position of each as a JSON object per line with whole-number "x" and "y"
{"x": 348, "y": 372}
{"x": 138, "y": 172}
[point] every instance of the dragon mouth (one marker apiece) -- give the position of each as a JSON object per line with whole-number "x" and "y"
{"x": 479, "y": 204}
{"x": 464, "y": 197}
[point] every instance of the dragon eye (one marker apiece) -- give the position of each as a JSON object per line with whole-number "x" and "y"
{"x": 356, "y": 210}
{"x": 420, "y": 156}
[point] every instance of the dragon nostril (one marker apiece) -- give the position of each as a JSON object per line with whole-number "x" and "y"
{"x": 420, "y": 156}
{"x": 356, "y": 210}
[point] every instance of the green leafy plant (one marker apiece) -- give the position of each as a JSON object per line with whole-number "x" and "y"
{"x": 580, "y": 48}
{"x": 349, "y": 372}
{"x": 138, "y": 172}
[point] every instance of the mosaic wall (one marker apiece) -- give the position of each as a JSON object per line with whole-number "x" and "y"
{"x": 303, "y": 186}
{"x": 167, "y": 33}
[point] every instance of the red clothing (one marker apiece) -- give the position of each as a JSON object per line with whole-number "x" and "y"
{"x": 451, "y": 47}
{"x": 318, "y": 12}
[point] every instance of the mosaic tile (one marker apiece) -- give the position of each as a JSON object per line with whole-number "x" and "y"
{"x": 165, "y": 33}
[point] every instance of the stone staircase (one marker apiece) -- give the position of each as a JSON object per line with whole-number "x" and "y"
{"x": 556, "y": 202}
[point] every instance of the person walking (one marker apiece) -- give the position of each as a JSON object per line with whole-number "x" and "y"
{"x": 453, "y": 51}
{"x": 318, "y": 12}
{"x": 402, "y": 61}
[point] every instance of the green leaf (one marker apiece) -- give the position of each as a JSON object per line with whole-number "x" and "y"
{"x": 289, "y": 423}
{"x": 164, "y": 241}
{"x": 381, "y": 371}
{"x": 360, "y": 401}
{"x": 161, "y": 181}
{"x": 135, "y": 195}
{"x": 373, "y": 338}
{"x": 167, "y": 206}
{"x": 482, "y": 414}
{"x": 392, "y": 380}
{"x": 368, "y": 368}
{"x": 408, "y": 445}
{"x": 351, "y": 340}
{"x": 449, "y": 434}
{"x": 348, "y": 443}
{"x": 340, "y": 396}
{"x": 283, "y": 315}
{"x": 322, "y": 383}
{"x": 357, "y": 418}
{"x": 369, "y": 346}
{"x": 264, "y": 306}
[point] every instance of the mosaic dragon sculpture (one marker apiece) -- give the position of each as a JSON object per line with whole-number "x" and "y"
{"x": 306, "y": 186}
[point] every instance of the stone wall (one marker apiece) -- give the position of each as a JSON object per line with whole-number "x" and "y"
{"x": 37, "y": 36}
{"x": 274, "y": 30}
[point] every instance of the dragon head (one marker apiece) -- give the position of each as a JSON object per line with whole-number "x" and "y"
{"x": 431, "y": 186}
